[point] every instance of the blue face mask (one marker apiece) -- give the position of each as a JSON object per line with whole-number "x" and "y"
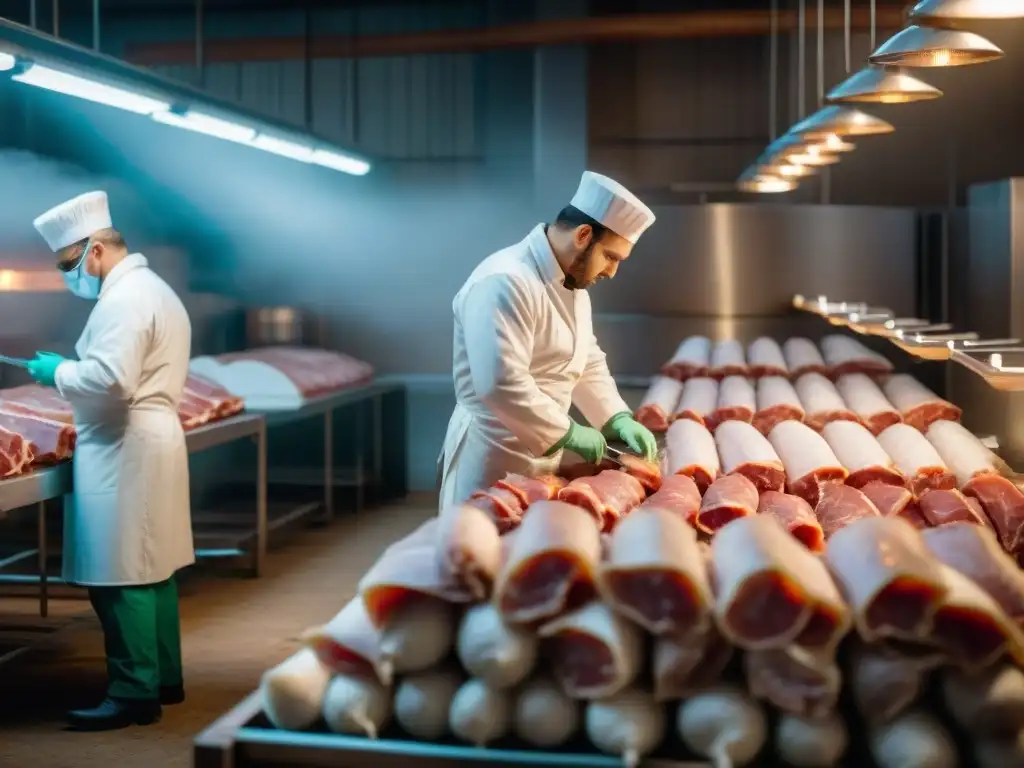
{"x": 79, "y": 281}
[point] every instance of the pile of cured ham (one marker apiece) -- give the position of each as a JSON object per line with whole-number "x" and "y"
{"x": 802, "y": 595}
{"x": 37, "y": 424}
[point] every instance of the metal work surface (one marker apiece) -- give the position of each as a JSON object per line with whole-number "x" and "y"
{"x": 38, "y": 485}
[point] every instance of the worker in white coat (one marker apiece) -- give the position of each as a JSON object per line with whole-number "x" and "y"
{"x": 524, "y": 348}
{"x": 127, "y": 524}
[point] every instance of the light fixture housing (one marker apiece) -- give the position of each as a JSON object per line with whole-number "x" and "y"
{"x": 841, "y": 121}
{"x": 833, "y": 143}
{"x": 945, "y": 13}
{"x": 882, "y": 85}
{"x": 786, "y": 170}
{"x": 765, "y": 185}
{"x": 918, "y": 46}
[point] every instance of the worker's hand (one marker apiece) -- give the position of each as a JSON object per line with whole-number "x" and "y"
{"x": 588, "y": 443}
{"x": 43, "y": 368}
{"x": 634, "y": 434}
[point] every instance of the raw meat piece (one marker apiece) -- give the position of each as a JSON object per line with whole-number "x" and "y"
{"x": 195, "y": 411}
{"x": 889, "y": 578}
{"x": 918, "y": 405}
{"x": 594, "y": 653}
{"x": 802, "y": 356}
{"x": 745, "y": 451}
{"x": 862, "y": 456}
{"x": 502, "y": 505}
{"x": 349, "y": 644}
{"x": 962, "y": 452}
{"x": 729, "y": 497}
{"x": 531, "y": 489}
{"x": 654, "y": 573}
{"x": 777, "y": 401}
{"x": 1003, "y": 503}
{"x": 796, "y": 516}
{"x": 976, "y": 553}
{"x": 659, "y": 404}
{"x": 15, "y": 453}
{"x": 683, "y": 666}
{"x": 223, "y": 403}
{"x": 915, "y": 457}
{"x": 971, "y": 627}
{"x": 679, "y": 495}
{"x": 313, "y": 371}
{"x": 692, "y": 358}
{"x": 821, "y": 401}
{"x": 867, "y": 401}
{"x": 841, "y": 505}
{"x": 844, "y": 354}
{"x": 551, "y": 563}
{"x": 946, "y": 507}
{"x": 769, "y": 587}
{"x": 699, "y": 398}
{"x": 736, "y": 402}
{"x": 884, "y": 684}
{"x": 40, "y": 400}
{"x": 727, "y": 360}
{"x": 469, "y": 548}
{"x": 808, "y": 460}
{"x": 690, "y": 450}
{"x": 891, "y": 501}
{"x": 764, "y": 357}
{"x": 48, "y": 441}
{"x": 795, "y": 680}
{"x": 647, "y": 473}
{"x": 607, "y": 496}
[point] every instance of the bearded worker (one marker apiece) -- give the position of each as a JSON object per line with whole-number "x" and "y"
{"x": 524, "y": 348}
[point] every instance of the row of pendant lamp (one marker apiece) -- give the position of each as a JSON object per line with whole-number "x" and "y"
{"x": 934, "y": 39}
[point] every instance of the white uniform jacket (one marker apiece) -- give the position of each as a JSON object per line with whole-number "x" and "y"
{"x": 128, "y": 520}
{"x": 524, "y": 350}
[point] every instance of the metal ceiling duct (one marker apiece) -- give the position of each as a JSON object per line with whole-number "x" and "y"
{"x": 918, "y": 46}
{"x": 949, "y": 13}
{"x": 841, "y": 121}
{"x": 882, "y": 85}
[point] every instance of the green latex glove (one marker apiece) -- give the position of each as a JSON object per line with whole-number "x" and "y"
{"x": 634, "y": 434}
{"x": 588, "y": 443}
{"x": 43, "y": 367}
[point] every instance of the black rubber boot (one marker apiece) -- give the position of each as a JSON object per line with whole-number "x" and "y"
{"x": 112, "y": 714}
{"x": 172, "y": 694}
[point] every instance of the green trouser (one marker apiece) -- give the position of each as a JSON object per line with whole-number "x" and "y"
{"x": 141, "y": 636}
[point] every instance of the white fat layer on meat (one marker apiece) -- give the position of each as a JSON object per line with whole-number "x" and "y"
{"x": 421, "y": 702}
{"x": 961, "y": 451}
{"x": 351, "y": 629}
{"x": 727, "y": 353}
{"x": 480, "y": 714}
{"x": 724, "y": 725}
{"x": 356, "y": 706}
{"x": 801, "y": 449}
{"x": 544, "y": 716}
{"x": 765, "y": 352}
{"x": 497, "y": 653}
{"x": 818, "y": 395}
{"x": 964, "y": 595}
{"x": 292, "y": 693}
{"x": 801, "y": 353}
{"x": 867, "y": 555}
{"x": 906, "y": 392}
{"x": 909, "y": 450}
{"x": 806, "y": 743}
{"x": 664, "y": 392}
{"x": 840, "y": 350}
{"x": 740, "y": 444}
{"x": 629, "y": 725}
{"x": 689, "y": 444}
{"x": 695, "y": 350}
{"x": 986, "y": 704}
{"x": 863, "y": 396}
{"x": 776, "y": 390}
{"x": 915, "y": 740}
{"x": 699, "y": 397}
{"x": 737, "y": 392}
{"x": 855, "y": 446}
{"x": 885, "y": 684}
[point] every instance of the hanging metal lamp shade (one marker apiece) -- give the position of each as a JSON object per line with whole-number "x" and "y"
{"x": 793, "y": 149}
{"x": 842, "y": 122}
{"x": 766, "y": 185}
{"x": 932, "y": 47}
{"x": 786, "y": 170}
{"x": 953, "y": 12}
{"x": 881, "y": 85}
{"x": 833, "y": 143}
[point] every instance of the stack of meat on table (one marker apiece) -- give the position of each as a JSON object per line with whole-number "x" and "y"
{"x": 644, "y": 610}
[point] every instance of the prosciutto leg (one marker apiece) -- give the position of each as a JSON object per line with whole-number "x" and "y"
{"x": 946, "y": 507}
{"x": 919, "y": 406}
{"x": 679, "y": 496}
{"x": 655, "y": 575}
{"x": 745, "y": 451}
{"x": 699, "y": 399}
{"x": 551, "y": 563}
{"x": 868, "y": 402}
{"x": 607, "y": 496}
{"x": 808, "y": 460}
{"x": 690, "y": 450}
{"x": 885, "y": 684}
{"x": 502, "y": 505}
{"x": 659, "y": 404}
{"x": 862, "y": 456}
{"x": 802, "y": 356}
{"x": 730, "y": 497}
{"x": 821, "y": 401}
{"x": 893, "y": 585}
{"x": 349, "y": 644}
{"x": 777, "y": 401}
{"x": 915, "y": 457}
{"x": 682, "y": 667}
{"x": 795, "y": 680}
{"x": 736, "y": 402}
{"x": 841, "y": 505}
{"x": 891, "y": 501}
{"x": 844, "y": 354}
{"x": 765, "y": 358}
{"x": 796, "y": 516}
{"x": 727, "y": 359}
{"x": 1003, "y": 503}
{"x": 961, "y": 451}
{"x": 691, "y": 358}
{"x": 468, "y": 549}
{"x": 531, "y": 489}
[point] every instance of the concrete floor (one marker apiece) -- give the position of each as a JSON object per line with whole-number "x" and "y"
{"x": 232, "y": 630}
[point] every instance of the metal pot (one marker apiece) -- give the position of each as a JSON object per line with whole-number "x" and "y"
{"x": 267, "y": 326}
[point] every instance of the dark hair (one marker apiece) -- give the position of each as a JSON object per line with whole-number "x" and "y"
{"x": 571, "y": 217}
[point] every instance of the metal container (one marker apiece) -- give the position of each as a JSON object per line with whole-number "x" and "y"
{"x": 270, "y": 326}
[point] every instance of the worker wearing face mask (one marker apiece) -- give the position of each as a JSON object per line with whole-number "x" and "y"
{"x": 127, "y": 524}
{"x": 524, "y": 348}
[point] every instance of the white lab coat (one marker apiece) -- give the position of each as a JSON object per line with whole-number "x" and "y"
{"x": 524, "y": 350}
{"x": 128, "y": 520}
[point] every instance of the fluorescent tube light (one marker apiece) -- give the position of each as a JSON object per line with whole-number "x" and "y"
{"x": 207, "y": 124}
{"x": 340, "y": 162}
{"x": 284, "y": 148}
{"x": 6, "y": 62}
{"x": 90, "y": 90}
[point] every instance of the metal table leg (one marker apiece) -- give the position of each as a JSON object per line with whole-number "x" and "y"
{"x": 328, "y": 466}
{"x": 44, "y": 586}
{"x": 260, "y": 556}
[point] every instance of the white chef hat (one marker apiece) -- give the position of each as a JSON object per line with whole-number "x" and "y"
{"x": 614, "y": 206}
{"x": 74, "y": 220}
